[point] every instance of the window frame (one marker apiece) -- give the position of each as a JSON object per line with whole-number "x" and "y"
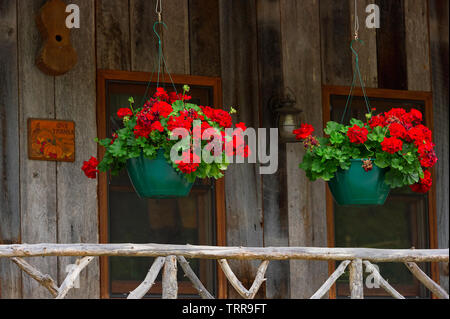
{"x": 106, "y": 75}
{"x": 427, "y": 99}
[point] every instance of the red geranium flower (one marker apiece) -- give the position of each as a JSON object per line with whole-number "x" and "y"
{"x": 187, "y": 164}
{"x": 357, "y": 135}
{"x": 424, "y": 185}
{"x": 419, "y": 134}
{"x": 378, "y": 120}
{"x": 397, "y": 130}
{"x": 156, "y": 126}
{"x": 242, "y": 126}
{"x": 142, "y": 131}
{"x": 413, "y": 117}
{"x": 303, "y": 132}
{"x": 90, "y": 168}
{"x": 427, "y": 155}
{"x": 391, "y": 145}
{"x": 161, "y": 94}
{"x": 124, "y": 112}
{"x": 176, "y": 97}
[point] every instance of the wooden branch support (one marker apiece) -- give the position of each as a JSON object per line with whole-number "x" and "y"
{"x": 330, "y": 281}
{"x": 169, "y": 279}
{"x": 72, "y": 276}
{"x": 427, "y": 281}
{"x": 356, "y": 279}
{"x": 149, "y": 280}
{"x": 383, "y": 283}
{"x": 259, "y": 279}
{"x": 45, "y": 280}
{"x": 202, "y": 291}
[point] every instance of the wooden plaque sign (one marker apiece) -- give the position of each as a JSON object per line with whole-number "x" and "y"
{"x": 51, "y": 140}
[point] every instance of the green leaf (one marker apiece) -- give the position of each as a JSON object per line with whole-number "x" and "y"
{"x": 356, "y": 122}
{"x": 333, "y": 127}
{"x": 337, "y": 138}
{"x": 177, "y": 106}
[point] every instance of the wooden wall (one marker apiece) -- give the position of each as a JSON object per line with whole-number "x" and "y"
{"x": 258, "y": 47}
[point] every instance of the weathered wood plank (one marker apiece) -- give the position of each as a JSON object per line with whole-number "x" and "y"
{"x": 204, "y": 37}
{"x": 113, "y": 35}
{"x": 335, "y": 35}
{"x": 238, "y": 43}
{"x": 37, "y": 178}
{"x": 10, "y": 276}
{"x": 391, "y": 48}
{"x": 144, "y": 44}
{"x": 306, "y": 200}
{"x": 356, "y": 279}
{"x": 218, "y": 252}
{"x": 176, "y": 36}
{"x": 75, "y": 98}
{"x": 270, "y": 86}
{"x": 169, "y": 278}
{"x": 367, "y": 52}
{"x": 439, "y": 44}
{"x": 417, "y": 45}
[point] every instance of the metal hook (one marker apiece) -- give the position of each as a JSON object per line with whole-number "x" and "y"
{"x": 353, "y": 49}
{"x": 156, "y": 32}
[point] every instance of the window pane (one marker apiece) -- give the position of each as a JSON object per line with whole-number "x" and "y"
{"x": 401, "y": 223}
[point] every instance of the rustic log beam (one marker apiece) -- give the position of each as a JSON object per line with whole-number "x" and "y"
{"x": 72, "y": 276}
{"x": 259, "y": 279}
{"x": 330, "y": 281}
{"x": 383, "y": 283}
{"x": 44, "y": 280}
{"x": 234, "y": 281}
{"x": 427, "y": 281}
{"x": 202, "y": 291}
{"x": 169, "y": 278}
{"x": 356, "y": 279}
{"x": 149, "y": 280}
{"x": 211, "y": 252}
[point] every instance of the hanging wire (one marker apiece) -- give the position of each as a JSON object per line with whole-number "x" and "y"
{"x": 356, "y": 21}
{"x": 357, "y": 72}
{"x": 162, "y": 64}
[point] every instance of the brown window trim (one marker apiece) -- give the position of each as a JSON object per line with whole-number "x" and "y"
{"x": 427, "y": 98}
{"x": 102, "y": 77}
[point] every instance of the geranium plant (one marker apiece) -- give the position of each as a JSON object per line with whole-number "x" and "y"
{"x": 153, "y": 127}
{"x": 395, "y": 140}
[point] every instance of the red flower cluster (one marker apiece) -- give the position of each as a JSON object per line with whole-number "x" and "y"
{"x": 405, "y": 127}
{"x": 218, "y": 116}
{"x": 148, "y": 119}
{"x": 391, "y": 145}
{"x": 124, "y": 112}
{"x": 303, "y": 132}
{"x": 424, "y": 185}
{"x": 189, "y": 163}
{"x": 357, "y": 135}
{"x": 90, "y": 168}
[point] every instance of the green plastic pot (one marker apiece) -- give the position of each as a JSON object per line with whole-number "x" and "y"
{"x": 356, "y": 187}
{"x": 157, "y": 178}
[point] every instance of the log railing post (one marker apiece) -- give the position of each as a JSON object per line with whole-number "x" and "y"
{"x": 356, "y": 279}
{"x": 169, "y": 278}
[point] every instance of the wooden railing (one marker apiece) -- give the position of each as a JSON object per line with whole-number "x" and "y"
{"x": 168, "y": 256}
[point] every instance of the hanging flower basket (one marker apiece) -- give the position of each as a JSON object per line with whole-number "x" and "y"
{"x": 398, "y": 148}
{"x": 168, "y": 143}
{"x": 356, "y": 186}
{"x": 156, "y": 178}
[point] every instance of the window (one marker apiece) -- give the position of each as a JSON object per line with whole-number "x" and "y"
{"x": 125, "y": 218}
{"x": 406, "y": 220}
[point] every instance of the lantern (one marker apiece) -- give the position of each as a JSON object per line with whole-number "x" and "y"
{"x": 287, "y": 117}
